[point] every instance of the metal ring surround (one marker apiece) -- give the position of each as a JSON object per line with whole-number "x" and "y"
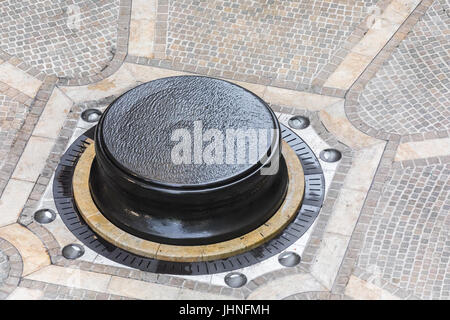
{"x": 312, "y": 202}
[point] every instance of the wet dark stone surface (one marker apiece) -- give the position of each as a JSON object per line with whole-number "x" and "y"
{"x": 138, "y": 187}
{"x": 138, "y": 126}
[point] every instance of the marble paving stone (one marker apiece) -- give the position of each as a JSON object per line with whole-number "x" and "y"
{"x": 376, "y": 38}
{"x": 33, "y": 252}
{"x": 329, "y": 257}
{"x": 346, "y": 212}
{"x": 141, "y": 290}
{"x": 33, "y": 159}
{"x": 52, "y": 118}
{"x": 116, "y": 84}
{"x": 142, "y": 28}
{"x": 283, "y": 287}
{"x": 26, "y": 294}
{"x": 364, "y": 166}
{"x": 362, "y": 290}
{"x": 335, "y": 120}
{"x": 19, "y": 80}
{"x": 13, "y": 199}
{"x": 423, "y": 149}
{"x": 298, "y": 99}
{"x": 75, "y": 278}
{"x": 348, "y": 71}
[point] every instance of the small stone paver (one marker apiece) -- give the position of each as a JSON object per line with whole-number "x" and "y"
{"x": 410, "y": 93}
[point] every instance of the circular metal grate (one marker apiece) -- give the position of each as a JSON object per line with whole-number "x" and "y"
{"x": 312, "y": 201}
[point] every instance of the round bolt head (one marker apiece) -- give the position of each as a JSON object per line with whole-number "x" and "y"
{"x": 44, "y": 216}
{"x": 235, "y": 279}
{"x": 299, "y": 122}
{"x": 289, "y": 259}
{"x": 73, "y": 251}
{"x": 330, "y": 155}
{"x": 91, "y": 115}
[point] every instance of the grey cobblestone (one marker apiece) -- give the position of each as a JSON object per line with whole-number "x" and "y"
{"x": 282, "y": 42}
{"x": 37, "y": 32}
{"x": 408, "y": 237}
{"x": 410, "y": 93}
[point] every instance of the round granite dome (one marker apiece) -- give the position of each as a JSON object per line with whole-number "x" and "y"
{"x": 138, "y": 128}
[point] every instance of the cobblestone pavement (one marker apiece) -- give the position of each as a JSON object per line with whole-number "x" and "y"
{"x": 408, "y": 242}
{"x": 410, "y": 94}
{"x": 4, "y": 267}
{"x": 264, "y": 39}
{"x": 41, "y": 34}
{"x": 12, "y": 117}
{"x": 383, "y": 231}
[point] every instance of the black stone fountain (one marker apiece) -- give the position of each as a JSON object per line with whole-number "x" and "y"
{"x": 137, "y": 187}
{"x": 140, "y": 189}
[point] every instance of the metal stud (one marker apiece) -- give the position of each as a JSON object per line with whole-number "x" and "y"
{"x": 73, "y": 251}
{"x": 299, "y": 122}
{"x": 289, "y": 259}
{"x": 91, "y": 115}
{"x": 44, "y": 216}
{"x": 330, "y": 155}
{"x": 235, "y": 279}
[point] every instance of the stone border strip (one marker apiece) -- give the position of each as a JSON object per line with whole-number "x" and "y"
{"x": 418, "y": 151}
{"x": 317, "y": 295}
{"x": 51, "y": 291}
{"x": 103, "y": 227}
{"x": 161, "y": 26}
{"x": 16, "y": 267}
{"x": 421, "y": 162}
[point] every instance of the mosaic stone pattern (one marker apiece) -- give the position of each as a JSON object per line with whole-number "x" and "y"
{"x": 4, "y": 267}
{"x": 410, "y": 94}
{"x": 408, "y": 238}
{"x": 12, "y": 117}
{"x": 265, "y": 39}
{"x": 44, "y": 34}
